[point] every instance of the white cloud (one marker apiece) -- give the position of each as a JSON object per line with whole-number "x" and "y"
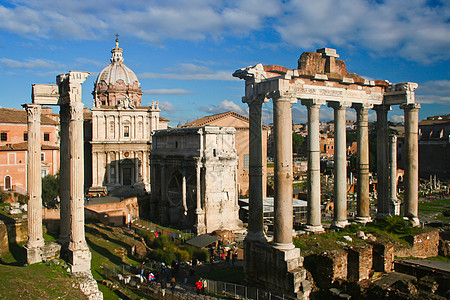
{"x": 396, "y": 118}
{"x": 217, "y": 75}
{"x": 31, "y": 63}
{"x": 167, "y": 92}
{"x": 166, "y": 106}
{"x": 87, "y": 61}
{"x": 437, "y": 91}
{"x": 224, "y": 106}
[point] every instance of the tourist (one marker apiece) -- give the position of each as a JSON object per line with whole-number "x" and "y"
{"x": 198, "y": 286}
{"x": 172, "y": 283}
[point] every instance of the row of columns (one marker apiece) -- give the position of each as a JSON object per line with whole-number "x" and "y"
{"x": 282, "y": 117}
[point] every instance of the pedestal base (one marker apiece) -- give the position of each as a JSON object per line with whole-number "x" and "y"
{"x": 313, "y": 228}
{"x": 339, "y": 224}
{"x": 414, "y": 221}
{"x": 80, "y": 260}
{"x": 253, "y": 236}
{"x": 363, "y": 220}
{"x": 34, "y": 255}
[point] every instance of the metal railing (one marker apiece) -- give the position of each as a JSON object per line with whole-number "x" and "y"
{"x": 150, "y": 226}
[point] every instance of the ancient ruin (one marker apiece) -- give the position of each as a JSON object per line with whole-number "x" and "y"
{"x": 66, "y": 94}
{"x": 194, "y": 178}
{"x": 319, "y": 79}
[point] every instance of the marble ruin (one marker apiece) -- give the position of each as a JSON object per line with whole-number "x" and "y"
{"x": 66, "y": 94}
{"x": 194, "y": 178}
{"x": 321, "y": 78}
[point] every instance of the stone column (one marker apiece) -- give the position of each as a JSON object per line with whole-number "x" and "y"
{"x": 108, "y": 168}
{"x": 363, "y": 201}
{"x": 314, "y": 213}
{"x": 411, "y": 155}
{"x": 382, "y": 160}
{"x": 283, "y": 219}
{"x": 34, "y": 183}
{"x": 200, "y": 224}
{"x": 183, "y": 187}
{"x": 80, "y": 256}
{"x": 95, "y": 169}
{"x": 255, "y": 210}
{"x": 136, "y": 167}
{"x": 117, "y": 167}
{"x": 64, "y": 177}
{"x": 394, "y": 203}
{"x": 340, "y": 164}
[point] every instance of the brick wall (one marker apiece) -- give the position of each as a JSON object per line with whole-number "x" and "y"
{"x": 424, "y": 244}
{"x": 383, "y": 257}
{"x": 360, "y": 262}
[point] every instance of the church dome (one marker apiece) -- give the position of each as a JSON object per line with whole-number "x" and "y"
{"x": 117, "y": 82}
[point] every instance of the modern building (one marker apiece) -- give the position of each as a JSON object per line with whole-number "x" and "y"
{"x": 120, "y": 136}
{"x": 13, "y": 147}
{"x": 241, "y": 124}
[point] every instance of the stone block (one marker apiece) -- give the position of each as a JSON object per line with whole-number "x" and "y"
{"x": 360, "y": 262}
{"x": 80, "y": 260}
{"x": 34, "y": 255}
{"x": 51, "y": 251}
{"x": 383, "y": 257}
{"x": 329, "y": 267}
{"x": 424, "y": 244}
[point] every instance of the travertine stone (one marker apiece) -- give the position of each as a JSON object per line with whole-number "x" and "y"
{"x": 382, "y": 160}
{"x": 283, "y": 220}
{"x": 363, "y": 201}
{"x": 255, "y": 217}
{"x": 64, "y": 175}
{"x": 314, "y": 213}
{"x": 35, "y": 234}
{"x": 394, "y": 203}
{"x": 340, "y": 164}
{"x": 411, "y": 154}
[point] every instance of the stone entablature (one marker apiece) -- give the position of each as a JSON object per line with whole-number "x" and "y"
{"x": 194, "y": 178}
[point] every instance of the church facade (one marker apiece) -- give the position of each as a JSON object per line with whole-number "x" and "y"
{"x": 120, "y": 140}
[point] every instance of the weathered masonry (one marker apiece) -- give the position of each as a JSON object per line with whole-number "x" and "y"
{"x": 66, "y": 94}
{"x": 320, "y": 79}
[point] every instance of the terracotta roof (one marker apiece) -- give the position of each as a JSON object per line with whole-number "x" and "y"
{"x": 23, "y": 146}
{"x": 19, "y": 116}
{"x": 209, "y": 119}
{"x": 163, "y": 119}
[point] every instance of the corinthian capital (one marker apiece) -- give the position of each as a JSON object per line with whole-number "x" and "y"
{"x": 76, "y": 111}
{"x": 33, "y": 113}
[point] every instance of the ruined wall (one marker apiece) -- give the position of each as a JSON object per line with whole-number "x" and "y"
{"x": 328, "y": 267}
{"x": 360, "y": 262}
{"x": 4, "y": 245}
{"x": 383, "y": 257}
{"x": 423, "y": 245}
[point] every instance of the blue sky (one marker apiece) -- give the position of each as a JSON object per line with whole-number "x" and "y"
{"x": 184, "y": 51}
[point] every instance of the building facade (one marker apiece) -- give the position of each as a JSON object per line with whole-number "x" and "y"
{"x": 194, "y": 178}
{"x": 13, "y": 148}
{"x": 121, "y": 128}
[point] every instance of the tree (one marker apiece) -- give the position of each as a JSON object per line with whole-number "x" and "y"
{"x": 50, "y": 188}
{"x": 297, "y": 142}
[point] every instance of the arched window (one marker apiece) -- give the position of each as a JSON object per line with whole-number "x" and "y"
{"x": 8, "y": 184}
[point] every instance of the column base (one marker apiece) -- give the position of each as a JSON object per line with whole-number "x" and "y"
{"x": 80, "y": 260}
{"x": 339, "y": 224}
{"x": 363, "y": 220}
{"x": 283, "y": 246}
{"x": 313, "y": 228}
{"x": 34, "y": 255}
{"x": 256, "y": 236}
{"x": 414, "y": 221}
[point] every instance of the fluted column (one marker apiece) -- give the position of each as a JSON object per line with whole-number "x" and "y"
{"x": 314, "y": 213}
{"x": 64, "y": 177}
{"x": 283, "y": 219}
{"x": 80, "y": 257}
{"x": 340, "y": 164}
{"x": 34, "y": 185}
{"x": 393, "y": 200}
{"x": 382, "y": 160}
{"x": 183, "y": 187}
{"x": 411, "y": 154}
{"x": 362, "y": 188}
{"x": 255, "y": 210}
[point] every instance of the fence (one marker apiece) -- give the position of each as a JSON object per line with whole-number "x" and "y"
{"x": 243, "y": 292}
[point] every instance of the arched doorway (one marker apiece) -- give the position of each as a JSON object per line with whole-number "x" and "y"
{"x": 8, "y": 182}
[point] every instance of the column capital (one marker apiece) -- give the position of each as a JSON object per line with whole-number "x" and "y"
{"x": 393, "y": 138}
{"x": 362, "y": 106}
{"x": 255, "y": 99}
{"x": 33, "y": 113}
{"x": 313, "y": 102}
{"x": 410, "y": 106}
{"x": 339, "y": 104}
{"x": 381, "y": 108}
{"x": 281, "y": 96}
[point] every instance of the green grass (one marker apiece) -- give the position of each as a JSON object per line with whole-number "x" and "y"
{"x": 38, "y": 281}
{"x": 441, "y": 258}
{"x": 435, "y": 209}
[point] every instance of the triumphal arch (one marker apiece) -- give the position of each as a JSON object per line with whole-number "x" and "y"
{"x": 67, "y": 95}
{"x": 320, "y": 79}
